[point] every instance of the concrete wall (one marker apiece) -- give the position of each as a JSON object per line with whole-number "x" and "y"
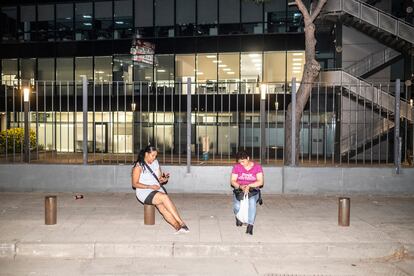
{"x": 208, "y": 179}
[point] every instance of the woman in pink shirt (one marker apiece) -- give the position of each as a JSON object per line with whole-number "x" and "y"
{"x": 246, "y": 177}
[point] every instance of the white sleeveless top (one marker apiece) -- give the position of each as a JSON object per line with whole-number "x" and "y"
{"x": 146, "y": 176}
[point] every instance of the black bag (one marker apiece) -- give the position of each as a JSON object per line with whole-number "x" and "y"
{"x": 153, "y": 174}
{"x": 239, "y": 194}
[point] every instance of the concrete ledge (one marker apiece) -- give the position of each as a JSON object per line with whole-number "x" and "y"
{"x": 7, "y": 250}
{"x": 207, "y": 179}
{"x": 55, "y": 250}
{"x": 132, "y": 250}
{"x": 301, "y": 250}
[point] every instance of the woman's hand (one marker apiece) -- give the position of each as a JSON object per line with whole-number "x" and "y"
{"x": 164, "y": 178}
{"x": 245, "y": 188}
{"x": 154, "y": 187}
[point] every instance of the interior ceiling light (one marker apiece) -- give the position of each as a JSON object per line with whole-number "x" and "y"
{"x": 211, "y": 56}
{"x": 200, "y": 73}
{"x": 161, "y": 70}
{"x": 226, "y": 69}
{"x": 99, "y": 72}
{"x": 230, "y": 73}
{"x": 297, "y": 54}
{"x": 86, "y": 16}
{"x": 222, "y": 65}
{"x": 296, "y": 72}
{"x": 217, "y": 61}
{"x": 297, "y": 64}
{"x": 254, "y": 55}
{"x": 297, "y": 59}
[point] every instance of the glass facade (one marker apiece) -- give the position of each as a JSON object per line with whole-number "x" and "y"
{"x": 103, "y": 20}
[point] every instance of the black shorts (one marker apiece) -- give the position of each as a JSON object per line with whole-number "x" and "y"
{"x": 149, "y": 198}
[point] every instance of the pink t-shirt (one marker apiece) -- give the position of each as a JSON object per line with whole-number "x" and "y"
{"x": 246, "y": 177}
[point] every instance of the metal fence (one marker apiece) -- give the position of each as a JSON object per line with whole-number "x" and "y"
{"x": 339, "y": 126}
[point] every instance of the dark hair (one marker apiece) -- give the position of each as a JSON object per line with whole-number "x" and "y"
{"x": 242, "y": 155}
{"x": 141, "y": 155}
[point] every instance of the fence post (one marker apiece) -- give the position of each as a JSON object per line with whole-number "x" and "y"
{"x": 26, "y": 145}
{"x": 85, "y": 119}
{"x": 397, "y": 140}
{"x": 293, "y": 103}
{"x": 263, "y": 148}
{"x": 188, "y": 125}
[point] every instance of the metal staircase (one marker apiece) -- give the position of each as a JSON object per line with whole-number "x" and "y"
{"x": 373, "y": 63}
{"x": 378, "y": 24}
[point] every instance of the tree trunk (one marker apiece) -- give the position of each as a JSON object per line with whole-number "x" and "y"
{"x": 310, "y": 72}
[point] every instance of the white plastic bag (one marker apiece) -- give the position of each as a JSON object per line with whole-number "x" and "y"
{"x": 243, "y": 213}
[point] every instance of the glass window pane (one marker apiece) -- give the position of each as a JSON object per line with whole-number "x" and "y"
{"x": 207, "y": 17}
{"x": 9, "y": 23}
{"x": 274, "y": 67}
{"x": 275, "y": 17}
{"x": 123, "y": 19}
{"x": 28, "y": 69}
{"x": 46, "y": 69}
{"x": 229, "y": 16}
{"x": 252, "y": 16}
{"x": 164, "y": 71}
{"x": 83, "y": 21}
{"x": 83, "y": 67}
{"x": 27, "y": 22}
{"x": 143, "y": 17}
{"x": 230, "y": 74}
{"x": 207, "y": 73}
{"x": 251, "y": 71}
{"x": 185, "y": 17}
{"x": 46, "y": 22}
{"x": 295, "y": 64}
{"x": 122, "y": 69}
{"x": 103, "y": 69}
{"x": 9, "y": 71}
{"x": 185, "y": 68}
{"x": 64, "y": 21}
{"x": 164, "y": 17}
{"x": 64, "y": 69}
{"x": 103, "y": 20}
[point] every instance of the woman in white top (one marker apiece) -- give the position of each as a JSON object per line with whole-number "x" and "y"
{"x": 147, "y": 180}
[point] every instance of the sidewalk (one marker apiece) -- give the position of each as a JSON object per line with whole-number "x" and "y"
{"x": 287, "y": 228}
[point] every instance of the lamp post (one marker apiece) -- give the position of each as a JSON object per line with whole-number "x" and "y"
{"x": 26, "y": 147}
{"x": 263, "y": 90}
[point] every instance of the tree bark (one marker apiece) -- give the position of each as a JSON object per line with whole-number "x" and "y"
{"x": 310, "y": 72}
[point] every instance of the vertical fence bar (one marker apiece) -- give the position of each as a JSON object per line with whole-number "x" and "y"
{"x": 164, "y": 144}
{"x": 229, "y": 128}
{"x": 215, "y": 148}
{"x": 268, "y": 125}
{"x": 5, "y": 109}
{"x": 60, "y": 117}
{"x": 85, "y": 119}
{"x": 140, "y": 116}
{"x": 325, "y": 132}
{"x": 318, "y": 124}
{"x": 333, "y": 123}
{"x": 173, "y": 123}
{"x": 111, "y": 121}
{"x": 26, "y": 145}
{"x": 14, "y": 122}
{"x": 372, "y": 123}
{"x": 125, "y": 122}
{"x": 188, "y": 125}
{"x": 379, "y": 98}
{"x": 179, "y": 121}
{"x": 349, "y": 121}
{"x": 102, "y": 130}
{"x": 117, "y": 122}
{"x": 262, "y": 124}
{"x": 293, "y": 134}
{"x": 94, "y": 122}
{"x": 68, "y": 115}
{"x": 388, "y": 127}
{"x": 252, "y": 119}
{"x": 54, "y": 147}
{"x": 356, "y": 126}
{"x": 397, "y": 146}
{"x": 37, "y": 121}
{"x": 310, "y": 146}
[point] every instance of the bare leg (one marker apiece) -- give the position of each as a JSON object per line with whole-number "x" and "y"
{"x": 168, "y": 216}
{"x": 168, "y": 204}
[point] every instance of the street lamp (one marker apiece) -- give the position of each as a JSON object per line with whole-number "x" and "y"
{"x": 26, "y": 147}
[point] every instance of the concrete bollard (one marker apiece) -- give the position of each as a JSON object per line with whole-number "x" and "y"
{"x": 149, "y": 214}
{"x": 50, "y": 210}
{"x": 344, "y": 211}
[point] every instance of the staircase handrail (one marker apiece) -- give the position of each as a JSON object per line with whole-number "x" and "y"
{"x": 359, "y": 14}
{"x": 371, "y": 62}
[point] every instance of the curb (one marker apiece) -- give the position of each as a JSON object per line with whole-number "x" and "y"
{"x": 191, "y": 250}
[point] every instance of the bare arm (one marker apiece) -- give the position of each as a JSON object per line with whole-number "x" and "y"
{"x": 233, "y": 181}
{"x": 136, "y": 172}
